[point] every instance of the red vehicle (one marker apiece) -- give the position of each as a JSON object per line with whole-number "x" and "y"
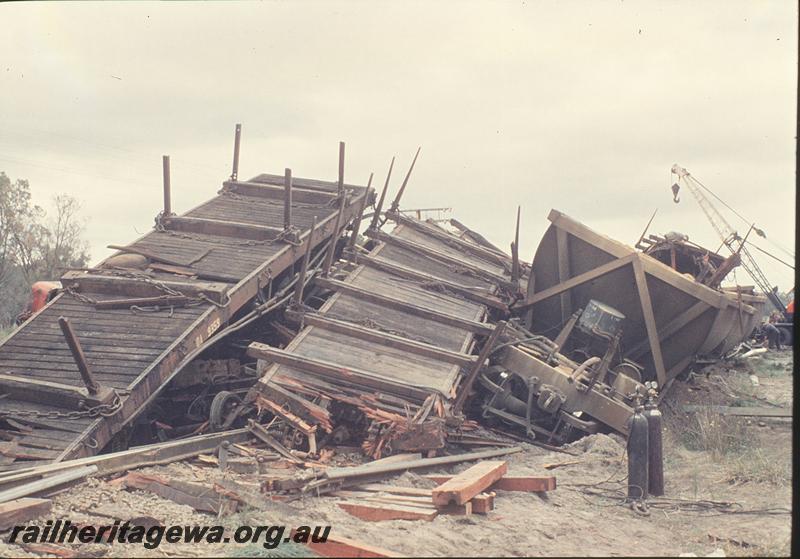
{"x": 42, "y": 292}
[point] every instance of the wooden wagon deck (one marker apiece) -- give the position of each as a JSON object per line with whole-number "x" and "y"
{"x": 219, "y": 254}
{"x": 396, "y": 335}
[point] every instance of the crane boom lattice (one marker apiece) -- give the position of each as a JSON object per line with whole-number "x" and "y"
{"x": 728, "y": 235}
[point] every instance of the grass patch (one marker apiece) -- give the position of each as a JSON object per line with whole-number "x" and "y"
{"x": 719, "y": 435}
{"x": 756, "y": 466}
{"x": 5, "y": 331}
{"x": 774, "y": 368}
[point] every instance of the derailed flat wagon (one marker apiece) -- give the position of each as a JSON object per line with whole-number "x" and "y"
{"x": 77, "y": 375}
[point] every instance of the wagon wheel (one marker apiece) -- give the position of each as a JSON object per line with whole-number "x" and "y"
{"x": 222, "y": 411}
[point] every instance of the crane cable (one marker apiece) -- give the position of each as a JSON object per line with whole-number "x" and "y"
{"x": 771, "y": 255}
{"x": 748, "y": 222}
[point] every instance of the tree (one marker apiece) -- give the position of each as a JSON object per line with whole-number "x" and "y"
{"x": 16, "y": 216}
{"x": 32, "y": 246}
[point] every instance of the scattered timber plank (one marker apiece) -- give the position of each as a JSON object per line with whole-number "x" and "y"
{"x": 249, "y": 497}
{"x": 396, "y": 490}
{"x": 526, "y": 483}
{"x": 49, "y": 549}
{"x": 309, "y": 411}
{"x": 371, "y": 496}
{"x": 483, "y": 503}
{"x": 469, "y": 483}
{"x": 369, "y": 470}
{"x": 375, "y": 512}
{"x": 530, "y": 484}
{"x": 339, "y": 546}
{"x": 456, "y": 510}
{"x": 198, "y": 496}
{"x": 20, "y": 511}
{"x": 744, "y": 411}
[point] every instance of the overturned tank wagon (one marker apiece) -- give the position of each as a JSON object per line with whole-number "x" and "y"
{"x": 669, "y": 316}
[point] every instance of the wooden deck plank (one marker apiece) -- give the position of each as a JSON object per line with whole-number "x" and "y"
{"x": 385, "y": 362}
{"x": 429, "y": 241}
{"x": 410, "y": 259}
{"x": 384, "y": 283}
{"x": 133, "y": 350}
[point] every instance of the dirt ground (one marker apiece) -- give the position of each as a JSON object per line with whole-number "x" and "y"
{"x": 728, "y": 491}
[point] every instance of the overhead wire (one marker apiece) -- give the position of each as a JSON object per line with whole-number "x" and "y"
{"x": 740, "y": 216}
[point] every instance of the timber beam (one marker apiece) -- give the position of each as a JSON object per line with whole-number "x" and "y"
{"x": 141, "y": 287}
{"x": 452, "y": 240}
{"x": 56, "y": 394}
{"x": 400, "y": 305}
{"x": 383, "y": 338}
{"x": 476, "y": 237}
{"x": 331, "y": 370}
{"x": 464, "y": 486}
{"x": 309, "y": 184}
{"x": 221, "y": 228}
{"x": 471, "y": 293}
{"x": 260, "y": 190}
{"x": 453, "y": 261}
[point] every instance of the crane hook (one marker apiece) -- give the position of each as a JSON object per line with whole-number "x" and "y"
{"x": 675, "y": 189}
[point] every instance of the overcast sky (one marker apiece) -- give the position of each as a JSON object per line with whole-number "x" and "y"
{"x": 578, "y": 106}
